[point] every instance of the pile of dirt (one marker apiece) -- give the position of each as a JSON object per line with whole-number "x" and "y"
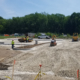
{"x": 6, "y": 53}
{"x": 62, "y": 60}
{"x": 2, "y": 79}
{"x": 3, "y": 66}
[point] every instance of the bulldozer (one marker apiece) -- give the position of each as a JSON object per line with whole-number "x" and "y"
{"x": 75, "y": 37}
{"x": 53, "y": 41}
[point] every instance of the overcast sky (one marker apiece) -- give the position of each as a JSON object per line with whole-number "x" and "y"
{"x": 19, "y": 8}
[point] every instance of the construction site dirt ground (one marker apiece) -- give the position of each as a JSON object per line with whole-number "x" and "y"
{"x": 59, "y": 62}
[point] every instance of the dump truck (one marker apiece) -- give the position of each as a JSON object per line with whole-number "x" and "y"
{"x": 75, "y": 37}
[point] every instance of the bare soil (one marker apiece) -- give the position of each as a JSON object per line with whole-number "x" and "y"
{"x": 31, "y": 46}
{"x": 6, "y": 53}
{"x": 63, "y": 60}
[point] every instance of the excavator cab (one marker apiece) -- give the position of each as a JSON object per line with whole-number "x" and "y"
{"x": 75, "y": 37}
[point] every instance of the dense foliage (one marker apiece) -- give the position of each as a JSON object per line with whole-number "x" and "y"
{"x": 41, "y": 22}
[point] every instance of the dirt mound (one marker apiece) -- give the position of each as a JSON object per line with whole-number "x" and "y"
{"x": 63, "y": 59}
{"x": 2, "y": 79}
{"x": 4, "y": 67}
{"x": 6, "y": 53}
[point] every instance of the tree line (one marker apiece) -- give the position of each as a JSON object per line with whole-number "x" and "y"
{"x": 41, "y": 22}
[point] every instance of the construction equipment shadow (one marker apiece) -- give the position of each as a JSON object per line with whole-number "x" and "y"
{"x": 73, "y": 41}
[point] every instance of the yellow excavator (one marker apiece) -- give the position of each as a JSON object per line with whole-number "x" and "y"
{"x": 75, "y": 37}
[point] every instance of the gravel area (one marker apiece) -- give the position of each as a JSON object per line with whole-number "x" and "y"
{"x": 62, "y": 60}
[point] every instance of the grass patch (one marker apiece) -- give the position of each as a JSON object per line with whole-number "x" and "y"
{"x": 68, "y": 36}
{"x": 4, "y": 37}
{"x": 65, "y": 37}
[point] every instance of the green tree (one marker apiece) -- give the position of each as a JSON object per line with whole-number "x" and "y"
{"x": 1, "y": 28}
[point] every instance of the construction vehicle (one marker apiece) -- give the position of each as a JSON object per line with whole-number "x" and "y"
{"x": 75, "y": 37}
{"x": 53, "y": 41}
{"x": 24, "y": 39}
